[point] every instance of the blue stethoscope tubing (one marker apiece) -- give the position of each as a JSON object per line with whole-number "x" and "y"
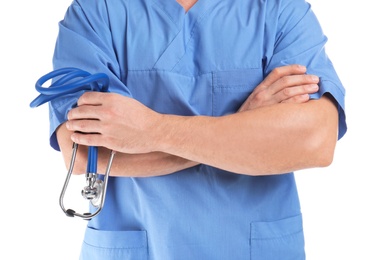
{"x": 74, "y": 80}
{"x": 65, "y": 81}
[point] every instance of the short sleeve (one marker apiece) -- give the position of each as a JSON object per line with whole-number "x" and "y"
{"x": 84, "y": 41}
{"x": 300, "y": 40}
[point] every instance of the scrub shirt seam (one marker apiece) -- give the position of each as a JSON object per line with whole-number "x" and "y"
{"x": 170, "y": 71}
{"x": 194, "y": 27}
{"x": 166, "y": 13}
{"x": 113, "y": 248}
{"x": 201, "y": 73}
{"x": 342, "y": 91}
{"x": 278, "y": 237}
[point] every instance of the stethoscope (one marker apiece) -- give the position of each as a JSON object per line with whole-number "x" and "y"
{"x": 67, "y": 81}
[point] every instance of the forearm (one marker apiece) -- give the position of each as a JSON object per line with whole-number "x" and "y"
{"x": 271, "y": 140}
{"x": 274, "y": 139}
{"x": 135, "y": 165}
{"x": 146, "y": 165}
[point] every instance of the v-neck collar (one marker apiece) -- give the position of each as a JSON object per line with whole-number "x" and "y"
{"x": 177, "y": 13}
{"x": 194, "y": 2}
{"x": 187, "y": 24}
{"x": 178, "y": 5}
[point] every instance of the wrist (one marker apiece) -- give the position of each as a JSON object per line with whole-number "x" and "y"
{"x": 171, "y": 132}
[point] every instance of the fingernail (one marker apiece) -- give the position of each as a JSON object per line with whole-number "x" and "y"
{"x": 315, "y": 78}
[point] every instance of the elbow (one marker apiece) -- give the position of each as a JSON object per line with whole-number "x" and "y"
{"x": 321, "y": 149}
{"x": 323, "y": 133}
{"x": 325, "y": 158}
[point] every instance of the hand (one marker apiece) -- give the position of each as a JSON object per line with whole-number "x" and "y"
{"x": 287, "y": 84}
{"x": 113, "y": 121}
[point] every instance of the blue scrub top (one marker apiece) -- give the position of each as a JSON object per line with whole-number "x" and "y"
{"x": 203, "y": 62}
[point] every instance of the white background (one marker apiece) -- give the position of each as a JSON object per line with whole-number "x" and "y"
{"x": 345, "y": 206}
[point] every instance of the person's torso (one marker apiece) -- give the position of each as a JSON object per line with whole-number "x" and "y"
{"x": 204, "y": 62}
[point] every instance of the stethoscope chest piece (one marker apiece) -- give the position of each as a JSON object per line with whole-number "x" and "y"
{"x": 93, "y": 190}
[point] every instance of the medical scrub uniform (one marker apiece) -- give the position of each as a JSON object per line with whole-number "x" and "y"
{"x": 203, "y": 62}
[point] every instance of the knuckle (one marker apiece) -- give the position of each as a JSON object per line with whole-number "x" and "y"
{"x": 82, "y": 98}
{"x": 278, "y": 71}
{"x": 284, "y": 81}
{"x": 82, "y": 125}
{"x": 258, "y": 97}
{"x": 287, "y": 92}
{"x": 109, "y": 97}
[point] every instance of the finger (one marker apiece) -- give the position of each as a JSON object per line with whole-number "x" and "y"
{"x": 86, "y": 112}
{"x": 283, "y": 71}
{"x": 287, "y": 93}
{"x": 91, "y": 98}
{"x": 87, "y": 139}
{"x": 84, "y": 126}
{"x": 283, "y": 84}
{"x": 298, "y": 99}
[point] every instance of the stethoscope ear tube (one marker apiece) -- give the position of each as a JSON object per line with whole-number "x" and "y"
{"x": 72, "y": 80}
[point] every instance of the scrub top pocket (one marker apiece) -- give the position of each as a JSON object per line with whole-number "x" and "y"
{"x": 278, "y": 240}
{"x": 114, "y": 245}
{"x": 231, "y": 88}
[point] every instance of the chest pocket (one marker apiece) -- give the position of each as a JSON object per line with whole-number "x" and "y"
{"x": 232, "y": 88}
{"x": 278, "y": 240}
{"x": 114, "y": 245}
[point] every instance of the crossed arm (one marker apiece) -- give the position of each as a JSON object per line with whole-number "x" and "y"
{"x": 277, "y": 130}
